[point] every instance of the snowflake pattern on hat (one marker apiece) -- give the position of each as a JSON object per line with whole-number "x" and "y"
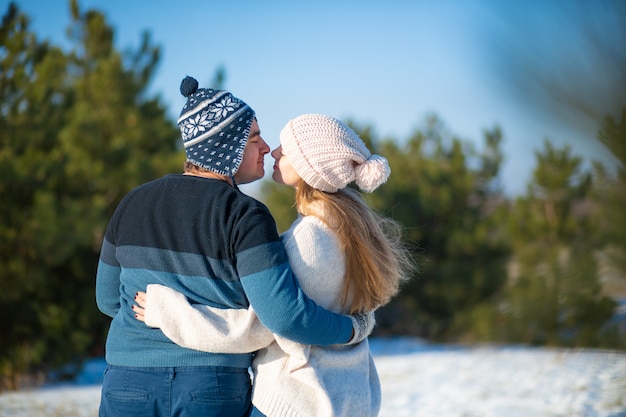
{"x": 207, "y": 118}
{"x": 193, "y": 125}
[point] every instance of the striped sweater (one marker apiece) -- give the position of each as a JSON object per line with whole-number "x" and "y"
{"x": 290, "y": 379}
{"x": 218, "y": 247}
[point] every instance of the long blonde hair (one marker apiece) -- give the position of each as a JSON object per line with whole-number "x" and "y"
{"x": 377, "y": 261}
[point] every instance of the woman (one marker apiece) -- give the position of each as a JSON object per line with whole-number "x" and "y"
{"x": 346, "y": 257}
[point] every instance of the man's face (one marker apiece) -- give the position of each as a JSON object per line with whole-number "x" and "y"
{"x": 252, "y": 166}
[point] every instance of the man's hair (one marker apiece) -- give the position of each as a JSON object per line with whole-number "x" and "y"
{"x": 189, "y": 167}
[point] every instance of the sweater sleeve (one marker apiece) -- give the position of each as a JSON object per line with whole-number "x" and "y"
{"x": 274, "y": 293}
{"x": 203, "y": 327}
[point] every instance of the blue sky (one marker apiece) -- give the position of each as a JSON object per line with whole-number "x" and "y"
{"x": 389, "y": 64}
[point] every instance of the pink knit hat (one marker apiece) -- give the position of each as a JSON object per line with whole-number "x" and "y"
{"x": 328, "y": 155}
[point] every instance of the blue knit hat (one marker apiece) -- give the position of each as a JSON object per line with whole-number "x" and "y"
{"x": 214, "y": 126}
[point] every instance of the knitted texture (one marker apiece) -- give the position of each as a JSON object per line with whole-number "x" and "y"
{"x": 214, "y": 127}
{"x": 363, "y": 324}
{"x": 170, "y": 311}
{"x": 172, "y": 231}
{"x": 291, "y": 379}
{"x": 328, "y": 155}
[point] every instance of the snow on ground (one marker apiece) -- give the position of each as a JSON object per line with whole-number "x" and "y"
{"x": 420, "y": 379}
{"x": 499, "y": 381}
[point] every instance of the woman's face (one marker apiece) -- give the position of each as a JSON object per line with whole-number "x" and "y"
{"x": 284, "y": 172}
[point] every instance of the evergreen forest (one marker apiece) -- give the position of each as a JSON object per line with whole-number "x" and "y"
{"x": 79, "y": 129}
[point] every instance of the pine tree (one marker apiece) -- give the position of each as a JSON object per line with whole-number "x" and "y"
{"x": 77, "y": 131}
{"x": 554, "y": 295}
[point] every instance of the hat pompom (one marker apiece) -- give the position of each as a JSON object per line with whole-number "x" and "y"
{"x": 188, "y": 86}
{"x": 372, "y": 173}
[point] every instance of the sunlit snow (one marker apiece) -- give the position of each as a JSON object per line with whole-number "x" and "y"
{"x": 420, "y": 379}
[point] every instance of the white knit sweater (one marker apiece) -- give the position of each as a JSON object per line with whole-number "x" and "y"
{"x": 290, "y": 379}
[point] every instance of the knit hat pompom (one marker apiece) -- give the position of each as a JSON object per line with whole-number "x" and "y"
{"x": 188, "y": 86}
{"x": 372, "y": 173}
{"x": 328, "y": 155}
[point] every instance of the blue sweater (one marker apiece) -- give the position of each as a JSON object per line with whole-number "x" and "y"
{"x": 217, "y": 246}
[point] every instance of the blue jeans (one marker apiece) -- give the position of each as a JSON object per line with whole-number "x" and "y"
{"x": 208, "y": 391}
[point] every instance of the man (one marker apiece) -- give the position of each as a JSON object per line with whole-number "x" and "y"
{"x": 198, "y": 234}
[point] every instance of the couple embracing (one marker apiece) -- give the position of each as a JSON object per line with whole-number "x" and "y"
{"x": 201, "y": 288}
